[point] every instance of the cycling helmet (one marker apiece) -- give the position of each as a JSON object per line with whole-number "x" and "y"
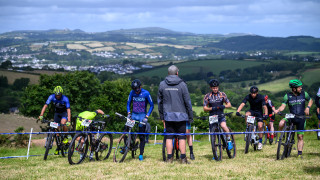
{"x": 254, "y": 89}
{"x": 294, "y": 83}
{"x": 266, "y": 97}
{"x": 58, "y": 90}
{"x": 136, "y": 84}
{"x": 214, "y": 83}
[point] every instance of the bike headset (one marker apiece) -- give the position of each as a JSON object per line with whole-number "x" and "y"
{"x": 58, "y": 90}
{"x": 135, "y": 85}
{"x": 254, "y": 89}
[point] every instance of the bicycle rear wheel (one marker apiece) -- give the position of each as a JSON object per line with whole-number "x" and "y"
{"x": 248, "y": 139}
{"x": 104, "y": 146}
{"x": 78, "y": 149}
{"x": 232, "y": 153}
{"x": 122, "y": 148}
{"x": 282, "y": 145}
{"x": 49, "y": 145}
{"x": 216, "y": 145}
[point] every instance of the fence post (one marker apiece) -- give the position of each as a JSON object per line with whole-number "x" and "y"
{"x": 155, "y": 137}
{"x": 209, "y": 134}
{"x": 29, "y": 143}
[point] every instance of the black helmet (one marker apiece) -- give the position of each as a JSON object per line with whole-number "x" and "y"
{"x": 214, "y": 83}
{"x": 254, "y": 89}
{"x": 136, "y": 84}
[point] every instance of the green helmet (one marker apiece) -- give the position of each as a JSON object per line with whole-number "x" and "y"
{"x": 58, "y": 90}
{"x": 294, "y": 83}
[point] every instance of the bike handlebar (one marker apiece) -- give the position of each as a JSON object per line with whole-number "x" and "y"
{"x": 118, "y": 114}
{"x": 222, "y": 115}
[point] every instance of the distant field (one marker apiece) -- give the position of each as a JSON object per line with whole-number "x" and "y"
{"x": 133, "y": 52}
{"x": 12, "y": 76}
{"x": 277, "y": 85}
{"x": 101, "y": 49}
{"x": 177, "y": 46}
{"x": 215, "y": 66}
{"x": 95, "y": 44}
{"x": 311, "y": 76}
{"x": 301, "y": 53}
{"x": 139, "y": 45}
{"x": 76, "y": 46}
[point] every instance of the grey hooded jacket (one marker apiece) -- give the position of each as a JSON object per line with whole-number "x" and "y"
{"x": 174, "y": 101}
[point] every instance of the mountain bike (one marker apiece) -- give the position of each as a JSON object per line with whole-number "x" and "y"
{"x": 100, "y": 144}
{"x": 286, "y": 139}
{"x": 251, "y": 138}
{"x": 219, "y": 141}
{"x": 127, "y": 142}
{"x": 175, "y": 148}
{"x": 58, "y": 138}
{"x": 266, "y": 136}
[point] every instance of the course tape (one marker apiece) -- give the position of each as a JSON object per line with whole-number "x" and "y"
{"x": 163, "y": 134}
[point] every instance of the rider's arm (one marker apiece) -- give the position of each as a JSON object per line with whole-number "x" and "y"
{"x": 151, "y": 105}
{"x": 43, "y": 109}
{"x": 205, "y": 103}
{"x": 265, "y": 110}
{"x": 164, "y": 124}
{"x": 69, "y": 114}
{"x": 226, "y": 101}
{"x": 240, "y": 107}
{"x": 129, "y": 102}
{"x": 308, "y": 98}
{"x": 228, "y": 105}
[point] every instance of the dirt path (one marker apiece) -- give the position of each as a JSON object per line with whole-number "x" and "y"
{"x": 10, "y": 122}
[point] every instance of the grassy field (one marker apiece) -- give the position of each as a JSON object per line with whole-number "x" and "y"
{"x": 254, "y": 165}
{"x": 215, "y": 66}
{"x": 276, "y": 85}
{"x": 12, "y": 76}
{"x": 311, "y": 76}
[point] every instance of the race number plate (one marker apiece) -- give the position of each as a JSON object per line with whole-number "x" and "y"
{"x": 86, "y": 122}
{"x": 54, "y": 125}
{"x": 289, "y": 116}
{"x": 213, "y": 119}
{"x": 130, "y": 123}
{"x": 251, "y": 119}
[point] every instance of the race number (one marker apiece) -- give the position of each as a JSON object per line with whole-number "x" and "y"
{"x": 251, "y": 119}
{"x": 54, "y": 125}
{"x": 86, "y": 122}
{"x": 289, "y": 116}
{"x": 130, "y": 123}
{"x": 213, "y": 119}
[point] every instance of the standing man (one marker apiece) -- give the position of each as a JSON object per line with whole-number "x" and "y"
{"x": 317, "y": 100}
{"x": 296, "y": 100}
{"x": 257, "y": 103}
{"x": 62, "y": 113}
{"x": 139, "y": 98}
{"x": 175, "y": 109}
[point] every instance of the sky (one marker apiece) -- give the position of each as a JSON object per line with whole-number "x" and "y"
{"x": 272, "y": 18}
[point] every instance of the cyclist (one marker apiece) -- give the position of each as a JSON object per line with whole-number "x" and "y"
{"x": 257, "y": 103}
{"x": 86, "y": 115}
{"x": 62, "y": 113}
{"x": 139, "y": 98}
{"x": 317, "y": 100}
{"x": 271, "y": 115}
{"x": 296, "y": 101}
{"x": 213, "y": 103}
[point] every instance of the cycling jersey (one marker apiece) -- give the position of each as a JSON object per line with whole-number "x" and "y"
{"x": 139, "y": 102}
{"x": 215, "y": 100}
{"x": 84, "y": 115}
{"x": 256, "y": 104}
{"x": 61, "y": 105}
{"x": 270, "y": 106}
{"x": 296, "y": 103}
{"x": 317, "y": 101}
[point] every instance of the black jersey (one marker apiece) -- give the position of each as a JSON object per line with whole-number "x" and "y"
{"x": 256, "y": 104}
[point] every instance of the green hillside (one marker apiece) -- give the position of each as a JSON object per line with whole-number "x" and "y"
{"x": 214, "y": 66}
{"x": 276, "y": 85}
{"x": 311, "y": 76}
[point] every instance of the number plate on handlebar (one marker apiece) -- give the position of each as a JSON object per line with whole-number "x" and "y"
{"x": 251, "y": 119}
{"x": 130, "y": 123}
{"x": 86, "y": 122}
{"x": 54, "y": 124}
{"x": 213, "y": 119}
{"x": 289, "y": 116}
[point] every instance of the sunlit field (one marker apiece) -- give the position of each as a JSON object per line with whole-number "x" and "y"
{"x": 254, "y": 165}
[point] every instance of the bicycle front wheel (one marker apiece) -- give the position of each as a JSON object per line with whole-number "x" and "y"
{"x": 290, "y": 143}
{"x": 282, "y": 145}
{"x": 232, "y": 153}
{"x": 122, "y": 148}
{"x": 248, "y": 139}
{"x": 78, "y": 149}
{"x": 216, "y": 145}
{"x": 49, "y": 145}
{"x": 104, "y": 147}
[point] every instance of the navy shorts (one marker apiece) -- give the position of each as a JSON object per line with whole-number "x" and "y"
{"x": 176, "y": 127}
{"x": 59, "y": 116}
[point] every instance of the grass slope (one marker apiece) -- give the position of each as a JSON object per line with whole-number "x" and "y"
{"x": 311, "y": 76}
{"x": 254, "y": 165}
{"x": 276, "y": 85}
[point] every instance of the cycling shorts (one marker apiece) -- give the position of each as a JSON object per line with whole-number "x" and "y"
{"x": 300, "y": 124}
{"x": 176, "y": 127}
{"x": 188, "y": 125}
{"x": 257, "y": 114}
{"x": 58, "y": 116}
{"x": 220, "y": 120}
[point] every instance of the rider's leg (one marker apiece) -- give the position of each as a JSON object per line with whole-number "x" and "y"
{"x": 64, "y": 121}
{"x": 260, "y": 127}
{"x": 300, "y": 143}
{"x": 225, "y": 128}
{"x": 281, "y": 124}
{"x": 271, "y": 128}
{"x": 142, "y": 139}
